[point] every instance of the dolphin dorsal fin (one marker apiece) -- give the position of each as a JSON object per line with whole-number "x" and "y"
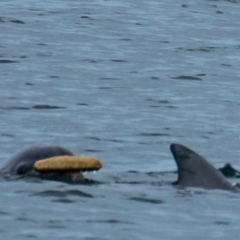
{"x": 195, "y": 171}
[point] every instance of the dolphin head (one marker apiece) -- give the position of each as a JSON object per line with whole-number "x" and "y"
{"x": 195, "y": 171}
{"x": 22, "y": 163}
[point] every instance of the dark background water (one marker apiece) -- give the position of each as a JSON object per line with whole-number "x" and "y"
{"x": 120, "y": 80}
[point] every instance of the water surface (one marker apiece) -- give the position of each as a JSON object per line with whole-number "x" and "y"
{"x": 120, "y": 80}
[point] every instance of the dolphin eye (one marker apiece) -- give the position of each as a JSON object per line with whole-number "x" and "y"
{"x": 24, "y": 168}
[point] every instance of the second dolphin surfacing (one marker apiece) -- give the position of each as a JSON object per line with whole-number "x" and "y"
{"x": 195, "y": 171}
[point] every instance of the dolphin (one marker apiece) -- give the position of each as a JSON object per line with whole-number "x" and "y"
{"x": 196, "y": 171}
{"x": 22, "y": 164}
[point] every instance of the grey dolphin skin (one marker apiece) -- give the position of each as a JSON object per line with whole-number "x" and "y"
{"x": 195, "y": 171}
{"x": 22, "y": 163}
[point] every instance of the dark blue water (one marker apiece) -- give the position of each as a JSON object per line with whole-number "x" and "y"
{"x": 120, "y": 80}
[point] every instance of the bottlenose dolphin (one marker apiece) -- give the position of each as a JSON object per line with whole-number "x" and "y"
{"x": 195, "y": 171}
{"x": 22, "y": 163}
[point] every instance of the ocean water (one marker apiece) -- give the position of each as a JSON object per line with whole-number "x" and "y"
{"x": 120, "y": 80}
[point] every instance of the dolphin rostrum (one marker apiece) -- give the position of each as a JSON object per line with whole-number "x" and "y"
{"x": 195, "y": 171}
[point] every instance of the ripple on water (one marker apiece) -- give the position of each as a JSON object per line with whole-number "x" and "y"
{"x": 146, "y": 200}
{"x": 185, "y": 77}
{"x": 61, "y": 194}
{"x": 153, "y": 134}
{"x": 8, "y": 61}
{"x": 38, "y": 107}
{"x": 46, "y": 106}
